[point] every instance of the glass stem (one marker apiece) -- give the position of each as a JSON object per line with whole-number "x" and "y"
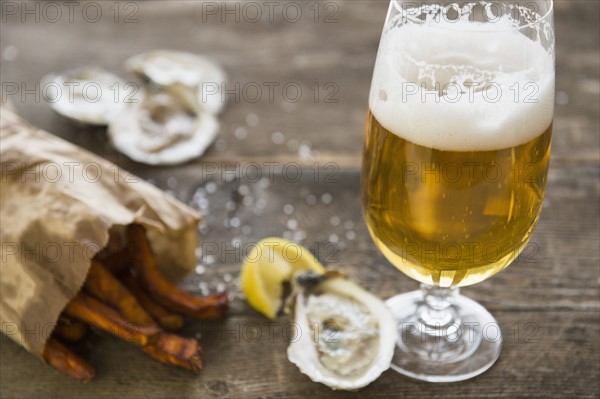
{"x": 437, "y": 312}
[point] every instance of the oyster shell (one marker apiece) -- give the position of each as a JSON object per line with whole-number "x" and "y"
{"x": 165, "y": 68}
{"x": 165, "y": 128}
{"x": 86, "y": 95}
{"x": 346, "y": 336}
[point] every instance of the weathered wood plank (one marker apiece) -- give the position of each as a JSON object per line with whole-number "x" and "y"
{"x": 545, "y": 355}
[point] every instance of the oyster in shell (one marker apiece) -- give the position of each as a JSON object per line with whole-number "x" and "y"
{"x": 346, "y": 336}
{"x": 88, "y": 95}
{"x": 201, "y": 76}
{"x": 165, "y": 128}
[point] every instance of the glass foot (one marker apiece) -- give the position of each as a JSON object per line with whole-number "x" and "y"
{"x": 443, "y": 336}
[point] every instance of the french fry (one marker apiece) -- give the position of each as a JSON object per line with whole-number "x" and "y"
{"x": 117, "y": 262}
{"x": 166, "y": 319}
{"x": 69, "y": 329}
{"x": 208, "y": 307}
{"x": 104, "y": 286}
{"x": 133, "y": 307}
{"x": 177, "y": 351}
{"x": 90, "y": 310}
{"x": 64, "y": 360}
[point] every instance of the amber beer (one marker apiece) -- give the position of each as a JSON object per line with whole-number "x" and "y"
{"x": 452, "y": 189}
{"x": 450, "y": 217}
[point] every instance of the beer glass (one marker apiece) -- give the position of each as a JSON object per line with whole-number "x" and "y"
{"x": 457, "y": 145}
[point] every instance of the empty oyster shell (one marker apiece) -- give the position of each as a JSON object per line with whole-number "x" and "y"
{"x": 346, "y": 336}
{"x": 165, "y": 128}
{"x": 87, "y": 95}
{"x": 165, "y": 68}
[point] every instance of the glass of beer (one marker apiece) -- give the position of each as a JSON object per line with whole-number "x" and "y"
{"x": 457, "y": 145}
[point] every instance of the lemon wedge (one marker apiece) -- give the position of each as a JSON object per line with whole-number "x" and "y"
{"x": 270, "y": 263}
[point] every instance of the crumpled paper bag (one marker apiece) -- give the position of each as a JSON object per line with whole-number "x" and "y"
{"x": 57, "y": 205}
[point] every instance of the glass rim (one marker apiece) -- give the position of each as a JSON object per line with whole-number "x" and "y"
{"x": 543, "y": 17}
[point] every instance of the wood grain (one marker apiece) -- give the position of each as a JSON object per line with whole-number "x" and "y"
{"x": 547, "y": 303}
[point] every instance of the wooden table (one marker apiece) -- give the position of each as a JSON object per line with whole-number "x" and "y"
{"x": 547, "y": 303}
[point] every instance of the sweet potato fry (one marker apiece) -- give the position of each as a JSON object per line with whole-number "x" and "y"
{"x": 69, "y": 329}
{"x": 90, "y": 310}
{"x": 176, "y": 350}
{"x": 104, "y": 286}
{"x": 64, "y": 360}
{"x": 166, "y": 319}
{"x": 117, "y": 262}
{"x": 208, "y": 307}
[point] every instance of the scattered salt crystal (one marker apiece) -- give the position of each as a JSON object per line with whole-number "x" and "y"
{"x": 263, "y": 183}
{"x": 349, "y": 224}
{"x": 240, "y": 133}
{"x": 200, "y": 269}
{"x": 10, "y": 53}
{"x": 311, "y": 199}
{"x": 244, "y": 190}
{"x": 261, "y": 203}
{"x": 292, "y": 224}
{"x": 326, "y": 198}
{"x": 277, "y": 138}
{"x": 335, "y": 221}
{"x": 288, "y": 209}
{"x": 203, "y": 288}
{"x": 234, "y": 222}
{"x": 304, "y": 151}
{"x": 350, "y": 235}
{"x": 333, "y": 238}
{"x": 203, "y": 203}
{"x": 298, "y": 236}
{"x": 209, "y": 259}
{"x": 211, "y": 187}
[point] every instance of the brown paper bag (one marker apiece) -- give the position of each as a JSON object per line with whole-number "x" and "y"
{"x": 57, "y": 205}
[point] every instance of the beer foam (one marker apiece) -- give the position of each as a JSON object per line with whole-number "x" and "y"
{"x": 463, "y": 86}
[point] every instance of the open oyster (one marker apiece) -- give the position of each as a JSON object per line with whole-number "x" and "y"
{"x": 165, "y": 68}
{"x": 346, "y": 336}
{"x": 87, "y": 95}
{"x": 165, "y": 128}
